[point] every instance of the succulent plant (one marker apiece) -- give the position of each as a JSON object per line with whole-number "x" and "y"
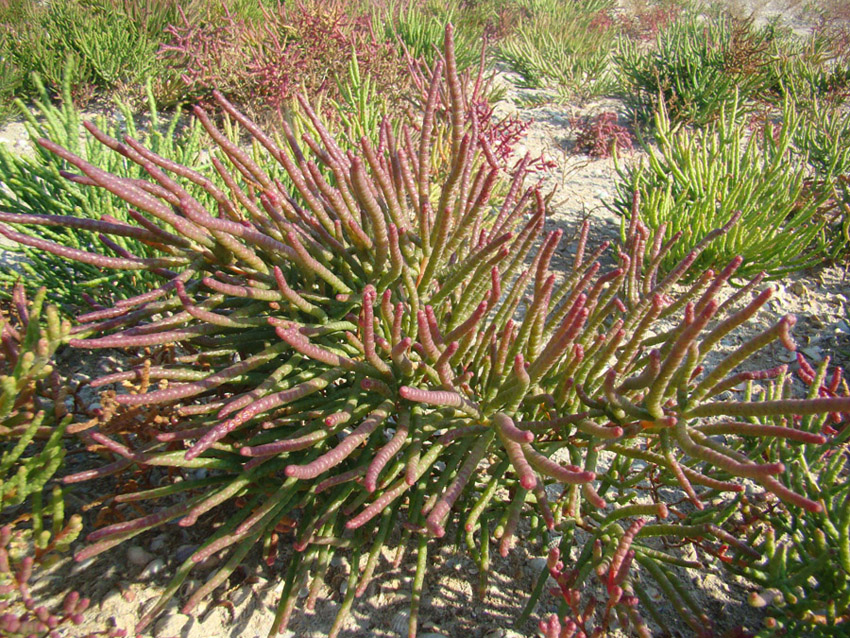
{"x": 390, "y": 346}
{"x": 31, "y": 452}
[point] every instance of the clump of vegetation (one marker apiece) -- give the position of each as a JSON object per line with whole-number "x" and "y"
{"x": 261, "y": 62}
{"x": 368, "y": 371}
{"x": 563, "y": 46}
{"x": 600, "y": 135}
{"x": 696, "y": 69}
{"x": 110, "y": 44}
{"x": 33, "y": 419}
{"x": 36, "y": 187}
{"x": 697, "y": 180}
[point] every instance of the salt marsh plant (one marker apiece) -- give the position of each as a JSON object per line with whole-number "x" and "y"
{"x": 563, "y": 46}
{"x": 695, "y": 180}
{"x": 33, "y": 419}
{"x": 696, "y": 69}
{"x": 366, "y": 378}
{"x": 35, "y": 186}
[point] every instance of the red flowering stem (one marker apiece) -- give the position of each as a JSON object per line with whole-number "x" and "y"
{"x": 342, "y": 451}
{"x": 652, "y": 270}
{"x": 587, "y": 426}
{"x": 387, "y": 452}
{"x": 570, "y": 475}
{"x": 254, "y": 524}
{"x": 383, "y": 180}
{"x": 443, "y": 367}
{"x": 472, "y": 213}
{"x": 101, "y": 261}
{"x": 560, "y": 341}
{"x": 751, "y": 375}
{"x": 465, "y": 430}
{"x": 507, "y": 540}
{"x": 339, "y": 479}
{"x": 259, "y": 407}
{"x": 284, "y": 445}
{"x": 363, "y": 192}
{"x": 424, "y": 164}
{"x": 247, "y": 292}
{"x": 516, "y": 452}
{"x": 302, "y": 345}
{"x": 550, "y": 243}
{"x": 131, "y": 194}
{"x": 718, "y": 282}
{"x": 155, "y": 372}
{"x": 311, "y": 263}
{"x": 368, "y": 327}
{"x": 751, "y": 429}
{"x": 780, "y": 331}
{"x": 734, "y": 320}
{"x": 439, "y": 398}
{"x": 642, "y": 380}
{"x": 471, "y": 322}
{"x": 592, "y": 496}
{"x": 691, "y": 327}
{"x": 295, "y": 299}
{"x": 124, "y": 340}
{"x": 520, "y": 173}
{"x": 543, "y": 505}
{"x": 511, "y": 431}
{"x": 356, "y": 233}
{"x": 435, "y": 519}
{"x": 724, "y": 461}
{"x": 117, "y": 448}
{"x": 797, "y": 407}
{"x": 425, "y": 337}
{"x": 135, "y": 525}
{"x": 92, "y": 225}
{"x": 622, "y": 549}
{"x": 212, "y": 318}
{"x": 101, "y": 472}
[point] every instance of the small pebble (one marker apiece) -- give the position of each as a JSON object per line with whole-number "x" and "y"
{"x": 170, "y": 625}
{"x": 152, "y": 569}
{"x": 184, "y": 551}
{"x": 138, "y": 556}
{"x": 159, "y": 542}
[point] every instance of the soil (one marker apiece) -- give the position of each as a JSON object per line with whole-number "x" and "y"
{"x": 125, "y": 581}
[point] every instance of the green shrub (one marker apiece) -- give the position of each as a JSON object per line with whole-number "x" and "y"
{"x": 816, "y": 69}
{"x": 563, "y": 46}
{"x": 33, "y": 419}
{"x": 698, "y": 67}
{"x": 803, "y": 573}
{"x": 694, "y": 181}
{"x": 111, "y": 43}
{"x": 420, "y": 26}
{"x": 35, "y": 185}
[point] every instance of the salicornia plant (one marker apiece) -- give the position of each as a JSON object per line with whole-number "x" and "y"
{"x": 33, "y": 419}
{"x": 693, "y": 181}
{"x": 697, "y": 68}
{"x": 389, "y": 346}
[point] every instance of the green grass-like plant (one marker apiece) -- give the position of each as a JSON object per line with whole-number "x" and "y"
{"x": 697, "y": 68}
{"x": 563, "y": 46}
{"x": 36, "y": 186}
{"x": 112, "y": 43}
{"x": 803, "y": 573}
{"x": 696, "y": 180}
{"x": 33, "y": 420}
